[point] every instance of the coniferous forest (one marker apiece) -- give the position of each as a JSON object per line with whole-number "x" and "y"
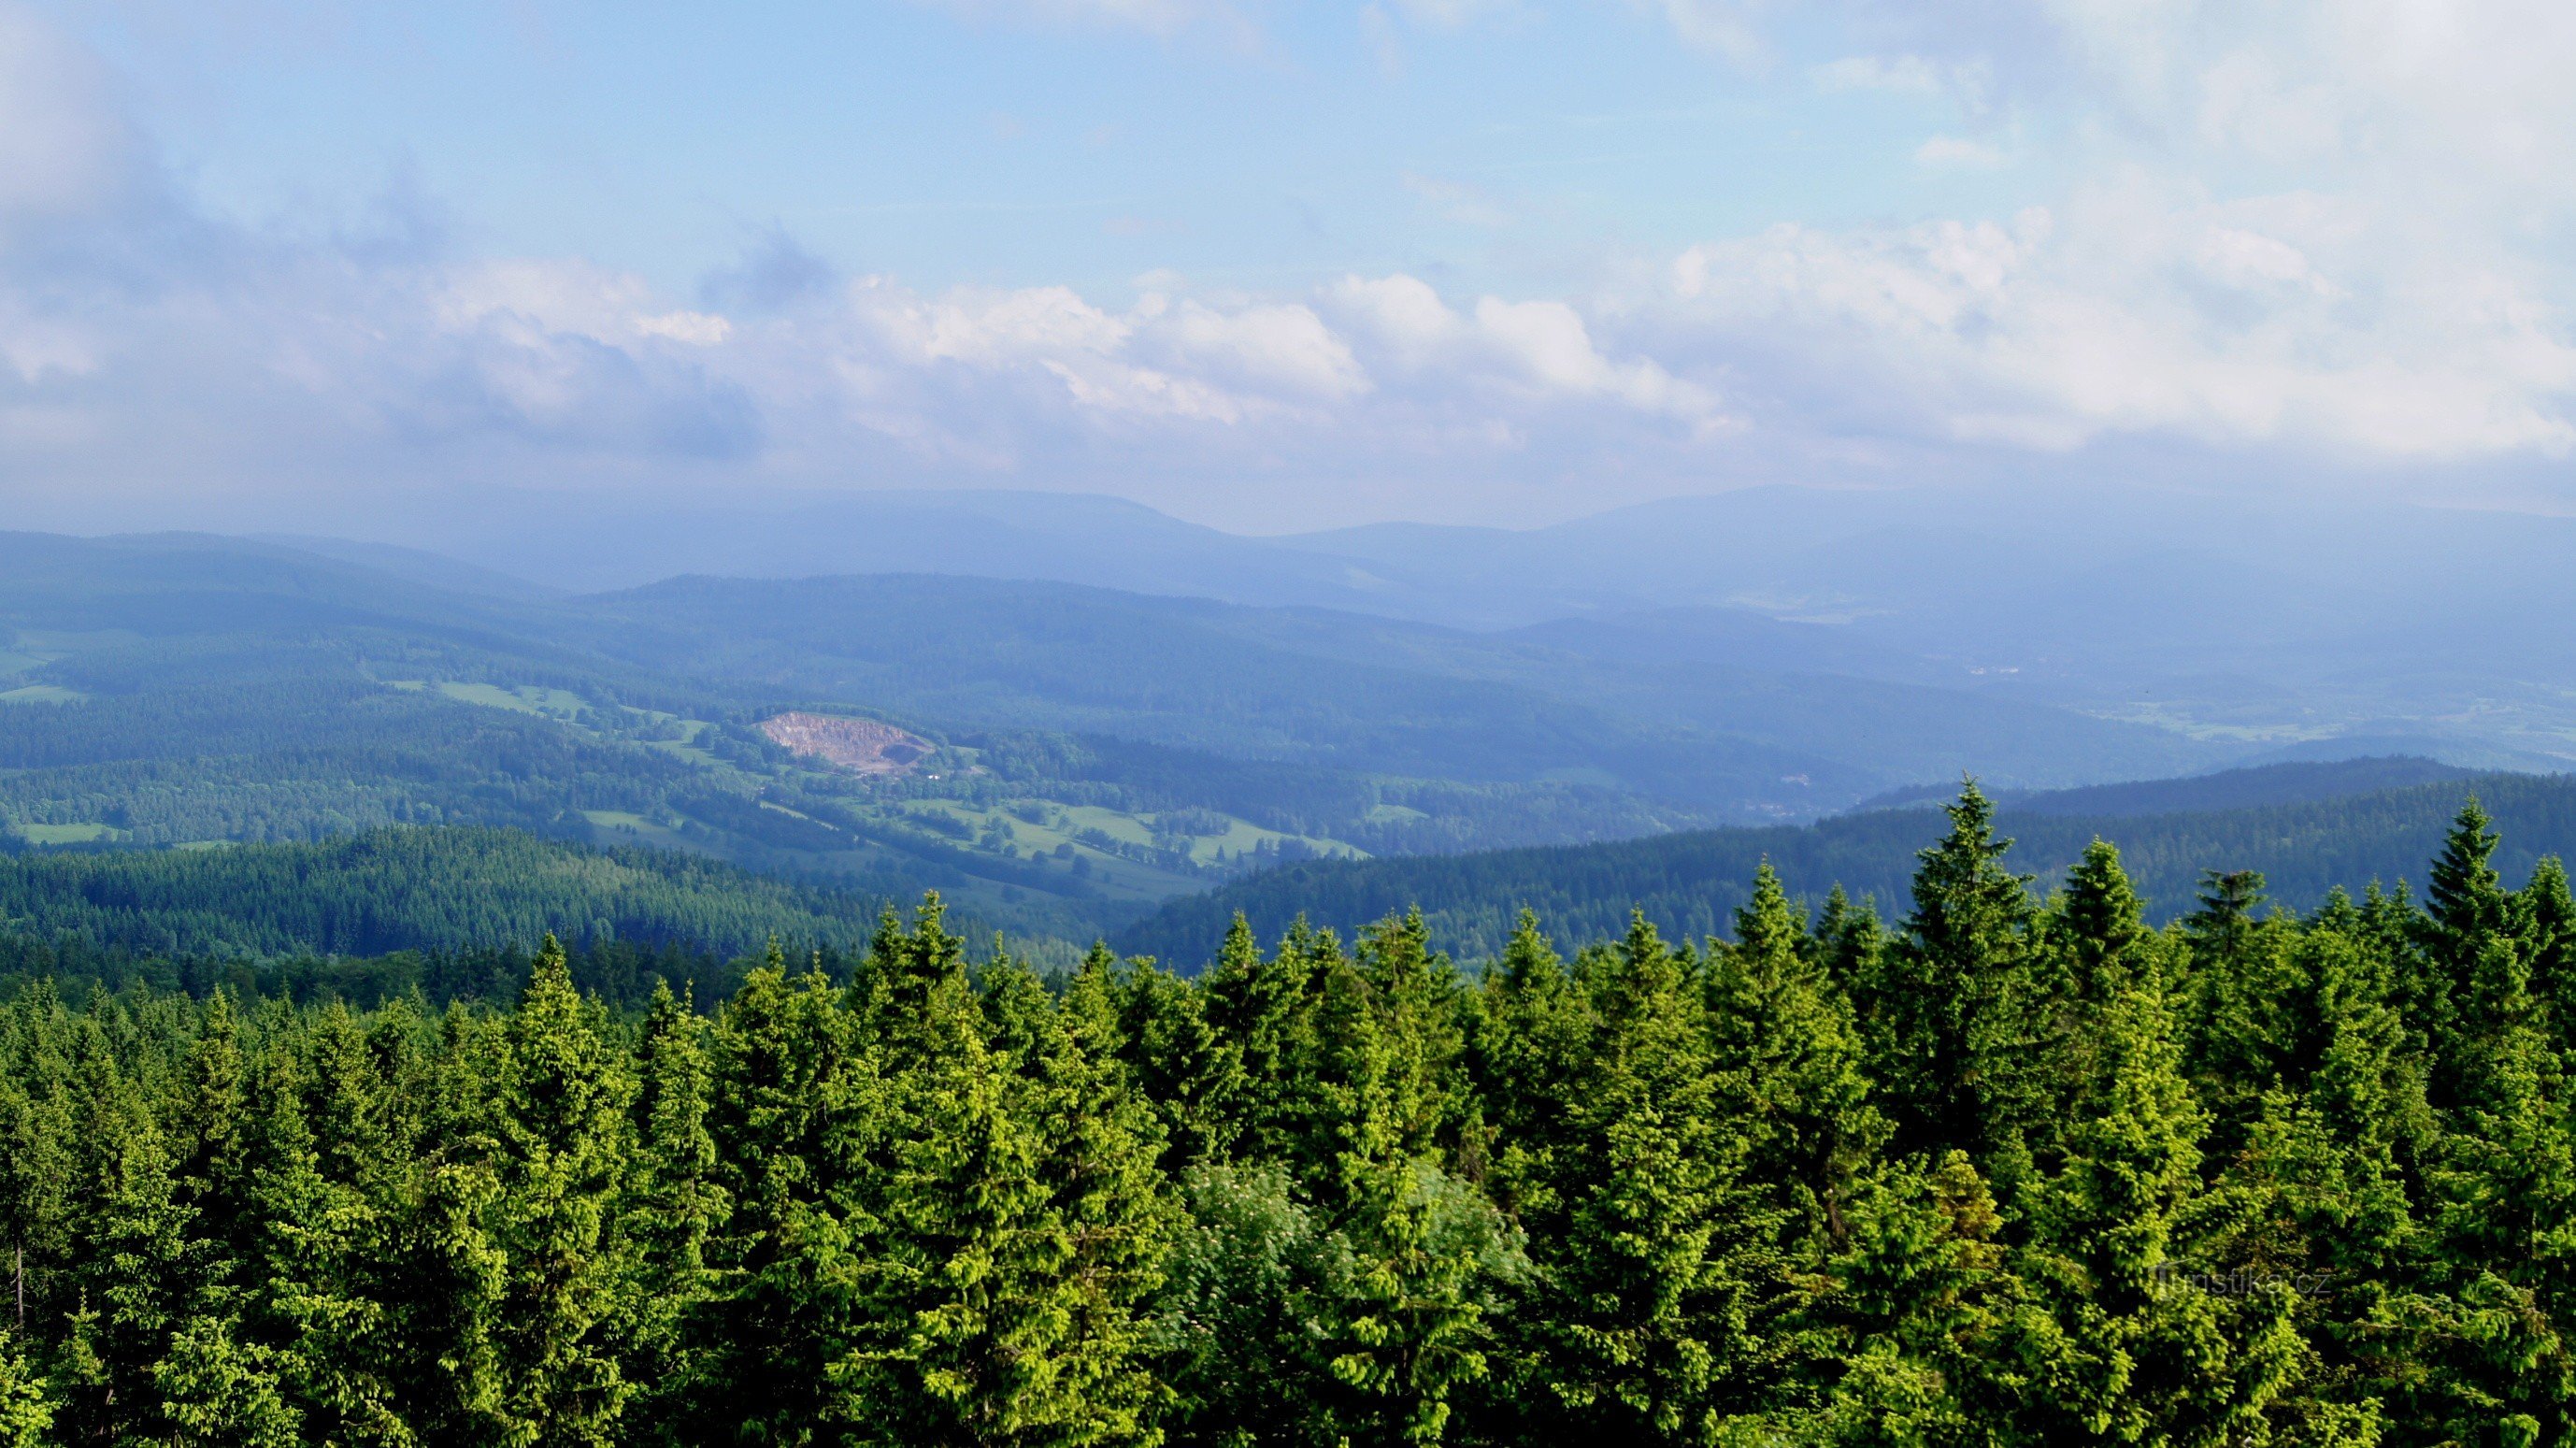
{"x": 2012, "y": 1167}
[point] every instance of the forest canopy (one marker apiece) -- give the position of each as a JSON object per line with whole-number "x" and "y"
{"x": 2005, "y": 1169}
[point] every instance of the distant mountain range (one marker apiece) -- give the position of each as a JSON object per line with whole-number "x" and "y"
{"x": 1096, "y": 751}
{"x": 2341, "y": 624}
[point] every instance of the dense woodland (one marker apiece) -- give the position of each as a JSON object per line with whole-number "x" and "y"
{"x": 2004, "y": 1170}
{"x": 2309, "y": 829}
{"x": 178, "y": 689}
{"x": 411, "y": 889}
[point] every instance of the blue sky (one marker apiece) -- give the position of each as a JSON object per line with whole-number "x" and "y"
{"x": 976, "y": 145}
{"x": 1272, "y": 265}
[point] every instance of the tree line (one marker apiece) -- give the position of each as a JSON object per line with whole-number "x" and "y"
{"x": 1690, "y": 884}
{"x": 2008, "y": 1170}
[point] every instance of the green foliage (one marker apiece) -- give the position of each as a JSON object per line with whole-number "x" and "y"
{"x": 2025, "y": 1172}
{"x": 1691, "y": 883}
{"x": 26, "y": 1408}
{"x": 450, "y": 912}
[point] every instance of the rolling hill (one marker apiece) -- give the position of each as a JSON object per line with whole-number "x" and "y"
{"x": 2302, "y": 838}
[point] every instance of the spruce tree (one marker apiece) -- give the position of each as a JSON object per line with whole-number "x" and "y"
{"x": 1409, "y": 1331}
{"x": 1784, "y": 1037}
{"x": 1529, "y": 1038}
{"x": 1263, "y": 1010}
{"x": 564, "y": 1148}
{"x": 1189, "y": 1070}
{"x": 1956, "y": 1013}
{"x": 2102, "y": 924}
{"x": 142, "y": 1275}
{"x": 2467, "y": 912}
{"x": 673, "y": 1213}
{"x": 1923, "y": 1307}
{"x": 2547, "y": 910}
{"x": 797, "y": 1111}
{"x": 1650, "y": 1302}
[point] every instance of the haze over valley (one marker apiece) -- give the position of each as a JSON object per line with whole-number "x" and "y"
{"x": 1218, "y": 724}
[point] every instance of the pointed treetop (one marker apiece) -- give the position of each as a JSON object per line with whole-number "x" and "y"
{"x": 1766, "y": 927}
{"x": 1530, "y": 962}
{"x": 2466, "y": 895}
{"x": 1964, "y": 897}
{"x": 550, "y": 982}
{"x": 1240, "y": 954}
{"x": 2103, "y": 915}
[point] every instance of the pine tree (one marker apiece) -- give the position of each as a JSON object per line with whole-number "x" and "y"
{"x": 1528, "y": 1040}
{"x": 2548, "y": 917}
{"x": 1192, "y": 1073}
{"x": 1263, "y": 1010}
{"x": 1956, "y": 1010}
{"x": 564, "y": 1150}
{"x": 1786, "y": 1039}
{"x": 1408, "y": 1331}
{"x": 1650, "y": 1301}
{"x": 673, "y": 1213}
{"x": 797, "y": 1109}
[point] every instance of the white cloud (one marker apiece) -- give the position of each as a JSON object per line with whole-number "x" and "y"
{"x": 2137, "y": 309}
{"x": 1448, "y": 14}
{"x": 1722, "y": 27}
{"x": 1908, "y": 74}
{"x": 1286, "y": 347}
{"x": 1457, "y": 201}
{"x": 1538, "y": 350}
{"x": 1966, "y": 81}
{"x": 1958, "y": 151}
{"x": 2326, "y": 229}
{"x": 1160, "y": 17}
{"x": 571, "y": 298}
{"x": 64, "y": 150}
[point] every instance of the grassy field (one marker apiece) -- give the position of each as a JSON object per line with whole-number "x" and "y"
{"x": 618, "y": 827}
{"x": 42, "y": 694}
{"x": 69, "y": 834}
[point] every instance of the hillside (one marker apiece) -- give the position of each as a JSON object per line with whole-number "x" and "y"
{"x": 2254, "y": 785}
{"x": 415, "y": 889}
{"x": 1739, "y": 720}
{"x": 2291, "y": 623}
{"x": 1065, "y": 748}
{"x": 1690, "y": 884}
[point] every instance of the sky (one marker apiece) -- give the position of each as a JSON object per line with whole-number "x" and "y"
{"x": 1276, "y": 266}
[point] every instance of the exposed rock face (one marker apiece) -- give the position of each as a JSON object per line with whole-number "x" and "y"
{"x": 862, "y": 746}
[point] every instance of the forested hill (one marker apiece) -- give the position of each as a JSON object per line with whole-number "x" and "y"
{"x": 1691, "y": 884}
{"x": 2248, "y": 788}
{"x": 413, "y": 888}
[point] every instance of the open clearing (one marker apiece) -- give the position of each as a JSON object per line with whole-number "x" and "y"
{"x": 68, "y": 834}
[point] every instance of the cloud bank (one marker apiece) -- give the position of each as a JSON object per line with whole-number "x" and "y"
{"x": 2326, "y": 228}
